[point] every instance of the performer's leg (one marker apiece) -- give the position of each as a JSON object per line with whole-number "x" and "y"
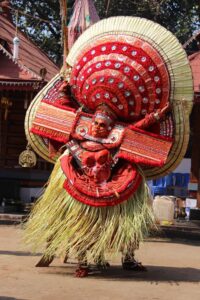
{"x": 45, "y": 261}
{"x": 101, "y": 263}
{"x": 128, "y": 259}
{"x": 65, "y": 257}
{"x": 83, "y": 269}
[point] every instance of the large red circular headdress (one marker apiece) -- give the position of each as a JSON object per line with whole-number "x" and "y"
{"x": 134, "y": 66}
{"x": 125, "y": 72}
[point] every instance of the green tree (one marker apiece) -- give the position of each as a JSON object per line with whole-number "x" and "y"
{"x": 40, "y": 21}
{"x": 180, "y": 17}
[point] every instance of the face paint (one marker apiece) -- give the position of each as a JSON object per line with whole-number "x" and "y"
{"x": 100, "y": 128}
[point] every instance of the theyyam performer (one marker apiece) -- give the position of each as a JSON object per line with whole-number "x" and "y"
{"x": 117, "y": 116}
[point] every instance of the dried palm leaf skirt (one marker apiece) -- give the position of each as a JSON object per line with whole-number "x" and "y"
{"x": 73, "y": 227}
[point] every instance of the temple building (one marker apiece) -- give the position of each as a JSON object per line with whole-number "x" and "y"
{"x": 24, "y": 70}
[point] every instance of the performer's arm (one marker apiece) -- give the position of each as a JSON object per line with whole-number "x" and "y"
{"x": 152, "y": 118}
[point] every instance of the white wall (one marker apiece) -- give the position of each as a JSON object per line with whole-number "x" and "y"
{"x": 184, "y": 166}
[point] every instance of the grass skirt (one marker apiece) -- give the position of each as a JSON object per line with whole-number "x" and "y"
{"x": 70, "y": 226}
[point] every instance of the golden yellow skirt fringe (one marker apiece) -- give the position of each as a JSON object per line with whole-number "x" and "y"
{"x": 73, "y": 227}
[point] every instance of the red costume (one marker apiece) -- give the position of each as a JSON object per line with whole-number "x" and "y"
{"x": 116, "y": 113}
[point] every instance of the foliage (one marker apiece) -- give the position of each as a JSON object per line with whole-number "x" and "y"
{"x": 40, "y": 21}
{"x": 181, "y": 17}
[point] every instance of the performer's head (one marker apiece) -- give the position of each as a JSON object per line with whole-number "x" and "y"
{"x": 102, "y": 122}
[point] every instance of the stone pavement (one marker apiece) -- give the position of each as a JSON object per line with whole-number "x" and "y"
{"x": 173, "y": 273}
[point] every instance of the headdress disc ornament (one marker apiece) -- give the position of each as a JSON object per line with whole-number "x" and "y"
{"x": 125, "y": 72}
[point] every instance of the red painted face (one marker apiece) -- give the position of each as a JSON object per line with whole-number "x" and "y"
{"x": 99, "y": 128}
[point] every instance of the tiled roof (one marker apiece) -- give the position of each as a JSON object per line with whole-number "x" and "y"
{"x": 195, "y": 65}
{"x": 11, "y": 69}
{"x": 31, "y": 58}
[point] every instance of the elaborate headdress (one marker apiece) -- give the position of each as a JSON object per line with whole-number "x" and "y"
{"x": 125, "y": 72}
{"x": 135, "y": 67}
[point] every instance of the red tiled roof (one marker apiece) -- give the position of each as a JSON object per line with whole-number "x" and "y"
{"x": 9, "y": 69}
{"x": 195, "y": 65}
{"x": 22, "y": 78}
{"x": 31, "y": 57}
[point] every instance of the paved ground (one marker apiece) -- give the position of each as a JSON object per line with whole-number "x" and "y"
{"x": 173, "y": 273}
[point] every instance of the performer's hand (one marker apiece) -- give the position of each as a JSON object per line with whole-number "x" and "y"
{"x": 160, "y": 113}
{"x": 166, "y": 108}
{"x": 63, "y": 87}
{"x": 151, "y": 118}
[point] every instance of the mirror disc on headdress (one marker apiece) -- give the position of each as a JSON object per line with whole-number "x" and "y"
{"x": 126, "y": 73}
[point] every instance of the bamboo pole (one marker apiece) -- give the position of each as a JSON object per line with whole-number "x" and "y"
{"x": 64, "y": 33}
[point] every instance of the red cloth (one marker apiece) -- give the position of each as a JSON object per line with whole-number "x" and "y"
{"x": 122, "y": 184}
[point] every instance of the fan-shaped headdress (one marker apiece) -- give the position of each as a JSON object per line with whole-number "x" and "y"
{"x": 135, "y": 67}
{"x": 125, "y": 72}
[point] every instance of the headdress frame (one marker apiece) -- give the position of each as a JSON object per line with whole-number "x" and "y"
{"x": 181, "y": 86}
{"x": 39, "y": 144}
{"x": 180, "y": 89}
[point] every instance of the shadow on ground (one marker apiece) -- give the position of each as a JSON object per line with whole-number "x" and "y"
{"x": 154, "y": 275}
{"x": 9, "y": 298}
{"x": 18, "y": 253}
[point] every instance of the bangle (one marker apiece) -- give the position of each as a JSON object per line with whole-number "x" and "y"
{"x": 156, "y": 116}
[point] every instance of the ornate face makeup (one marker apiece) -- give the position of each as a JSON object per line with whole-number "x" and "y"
{"x": 103, "y": 121}
{"x": 100, "y": 128}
